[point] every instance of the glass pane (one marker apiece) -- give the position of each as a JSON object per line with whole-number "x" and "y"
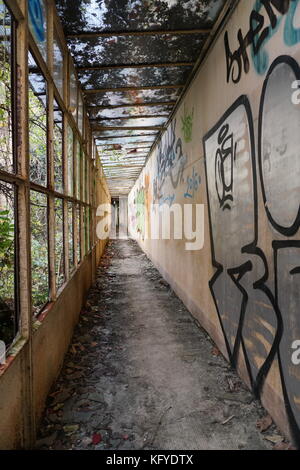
{"x": 6, "y": 153}
{"x": 78, "y": 169}
{"x": 71, "y": 236}
{"x": 58, "y": 148}
{"x": 87, "y": 229}
{"x": 83, "y": 177}
{"x": 38, "y": 24}
{"x": 7, "y": 264}
{"x": 73, "y": 93}
{"x": 80, "y": 114}
{"x": 58, "y": 65}
{"x": 39, "y": 250}
{"x": 78, "y": 227}
{"x": 37, "y": 101}
{"x": 70, "y": 162}
{"x": 59, "y": 243}
{"x": 87, "y": 180}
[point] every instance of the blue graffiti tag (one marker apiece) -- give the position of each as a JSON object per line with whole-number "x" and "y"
{"x": 37, "y": 20}
{"x": 193, "y": 184}
{"x": 291, "y": 36}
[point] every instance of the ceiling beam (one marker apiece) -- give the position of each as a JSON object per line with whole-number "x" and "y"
{"x": 111, "y": 128}
{"x": 134, "y": 66}
{"x": 133, "y": 105}
{"x": 138, "y": 142}
{"x": 141, "y": 116}
{"x": 109, "y": 34}
{"x": 157, "y": 87}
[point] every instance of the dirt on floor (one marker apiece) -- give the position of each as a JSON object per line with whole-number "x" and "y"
{"x": 140, "y": 374}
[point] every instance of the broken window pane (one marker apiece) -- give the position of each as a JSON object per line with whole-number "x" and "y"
{"x": 58, "y": 148}
{"x": 71, "y": 237}
{"x": 39, "y": 250}
{"x": 37, "y": 101}
{"x": 58, "y": 65}
{"x": 7, "y": 263}
{"x": 37, "y": 18}
{"x": 59, "y": 243}
{"x": 70, "y": 136}
{"x": 6, "y": 151}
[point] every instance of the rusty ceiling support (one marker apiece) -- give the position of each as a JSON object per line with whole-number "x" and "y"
{"x": 133, "y": 105}
{"x": 109, "y": 34}
{"x": 144, "y": 128}
{"x": 124, "y": 137}
{"x": 135, "y": 66}
{"x": 137, "y": 116}
{"x": 134, "y": 88}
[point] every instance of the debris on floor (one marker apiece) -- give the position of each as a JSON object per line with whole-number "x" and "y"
{"x": 140, "y": 374}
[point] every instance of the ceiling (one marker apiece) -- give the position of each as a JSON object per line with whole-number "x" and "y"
{"x": 134, "y": 59}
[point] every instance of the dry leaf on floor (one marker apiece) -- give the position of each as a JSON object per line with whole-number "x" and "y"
{"x": 264, "y": 423}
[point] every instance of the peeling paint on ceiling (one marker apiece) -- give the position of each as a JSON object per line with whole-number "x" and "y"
{"x": 133, "y": 59}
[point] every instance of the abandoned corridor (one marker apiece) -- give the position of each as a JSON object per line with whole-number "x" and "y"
{"x": 140, "y": 374}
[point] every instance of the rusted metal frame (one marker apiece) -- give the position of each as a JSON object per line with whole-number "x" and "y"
{"x": 80, "y": 68}
{"x": 132, "y": 88}
{"x": 16, "y": 9}
{"x": 66, "y": 82}
{"x": 123, "y": 137}
{"x": 142, "y": 116}
{"x": 130, "y": 128}
{"x": 170, "y": 32}
{"x": 19, "y": 9}
{"x": 50, "y": 151}
{"x": 132, "y": 105}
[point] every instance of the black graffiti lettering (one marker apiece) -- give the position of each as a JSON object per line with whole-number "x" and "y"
{"x": 256, "y": 25}
{"x": 233, "y": 62}
{"x": 255, "y": 37}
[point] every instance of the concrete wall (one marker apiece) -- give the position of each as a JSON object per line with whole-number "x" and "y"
{"x": 234, "y": 146}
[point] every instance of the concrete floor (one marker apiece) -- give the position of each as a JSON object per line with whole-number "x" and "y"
{"x": 141, "y": 375}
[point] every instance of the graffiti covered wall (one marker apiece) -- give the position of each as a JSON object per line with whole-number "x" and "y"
{"x": 234, "y": 146}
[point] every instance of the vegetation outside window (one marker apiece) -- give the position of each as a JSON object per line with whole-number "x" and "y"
{"x": 70, "y": 157}
{"x": 8, "y": 325}
{"x": 71, "y": 236}
{"x": 6, "y": 117}
{"x": 39, "y": 250}
{"x": 37, "y": 100}
{"x": 58, "y": 148}
{"x": 59, "y": 243}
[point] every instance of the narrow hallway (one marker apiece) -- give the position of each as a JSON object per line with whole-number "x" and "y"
{"x": 140, "y": 374}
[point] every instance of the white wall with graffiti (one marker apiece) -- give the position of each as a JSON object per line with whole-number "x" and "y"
{"x": 234, "y": 146}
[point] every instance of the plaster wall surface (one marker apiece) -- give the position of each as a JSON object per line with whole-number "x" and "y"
{"x": 233, "y": 146}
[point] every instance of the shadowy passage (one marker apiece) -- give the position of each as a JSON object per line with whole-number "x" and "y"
{"x": 140, "y": 374}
